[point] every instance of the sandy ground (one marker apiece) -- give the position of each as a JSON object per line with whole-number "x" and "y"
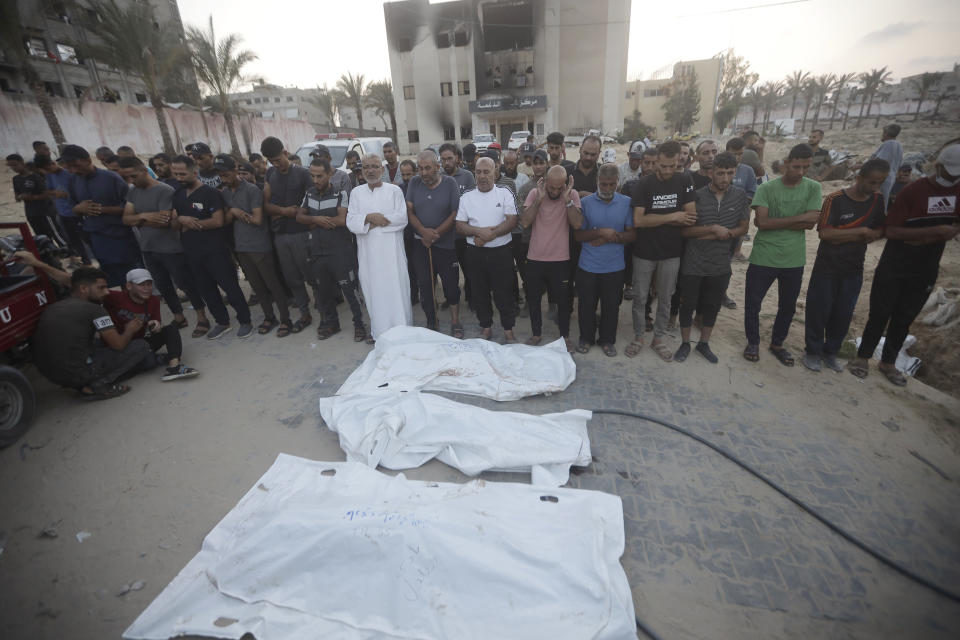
{"x": 149, "y": 474}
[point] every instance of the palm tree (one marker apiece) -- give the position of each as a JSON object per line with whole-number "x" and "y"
{"x": 755, "y": 98}
{"x": 941, "y": 96}
{"x": 12, "y": 39}
{"x": 794, "y": 84}
{"x": 219, "y": 67}
{"x": 843, "y": 82}
{"x": 327, "y": 101}
{"x": 772, "y": 91}
{"x": 809, "y": 93}
{"x": 824, "y": 84}
{"x": 872, "y": 82}
{"x": 136, "y": 43}
{"x": 380, "y": 99}
{"x": 354, "y": 90}
{"x": 923, "y": 85}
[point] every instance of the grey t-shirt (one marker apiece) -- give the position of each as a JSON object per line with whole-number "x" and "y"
{"x": 247, "y": 237}
{"x": 340, "y": 180}
{"x": 433, "y": 206}
{"x": 159, "y": 197}
{"x": 709, "y": 257}
{"x": 465, "y": 179}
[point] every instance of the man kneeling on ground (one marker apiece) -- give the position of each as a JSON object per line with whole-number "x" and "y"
{"x": 137, "y": 302}
{"x": 65, "y": 348}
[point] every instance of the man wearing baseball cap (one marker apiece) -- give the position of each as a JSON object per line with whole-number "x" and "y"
{"x": 137, "y": 302}
{"x": 630, "y": 169}
{"x": 525, "y": 152}
{"x": 470, "y": 158}
{"x": 203, "y": 156}
{"x": 919, "y": 224}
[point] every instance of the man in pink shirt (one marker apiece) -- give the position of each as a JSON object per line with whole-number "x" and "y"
{"x": 549, "y": 212}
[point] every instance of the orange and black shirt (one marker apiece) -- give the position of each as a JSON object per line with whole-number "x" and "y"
{"x": 840, "y": 211}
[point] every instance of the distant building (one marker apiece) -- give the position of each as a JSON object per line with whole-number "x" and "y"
{"x": 493, "y": 66}
{"x": 52, "y": 37}
{"x": 273, "y": 101}
{"x": 649, "y": 96}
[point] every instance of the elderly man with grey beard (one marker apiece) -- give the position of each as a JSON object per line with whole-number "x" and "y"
{"x": 432, "y": 202}
{"x": 486, "y": 217}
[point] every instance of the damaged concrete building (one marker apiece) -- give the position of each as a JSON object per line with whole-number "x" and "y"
{"x": 467, "y": 67}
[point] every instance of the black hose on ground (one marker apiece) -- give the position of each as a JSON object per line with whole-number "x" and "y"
{"x": 876, "y": 555}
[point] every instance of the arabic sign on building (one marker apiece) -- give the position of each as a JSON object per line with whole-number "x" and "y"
{"x": 508, "y": 104}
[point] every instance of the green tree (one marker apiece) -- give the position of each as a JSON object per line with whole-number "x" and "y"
{"x": 219, "y": 67}
{"x": 844, "y": 81}
{"x": 794, "y": 85}
{"x": 923, "y": 85}
{"x": 772, "y": 92}
{"x": 327, "y": 101}
{"x": 634, "y": 128}
{"x": 735, "y": 79}
{"x": 754, "y": 98}
{"x": 380, "y": 99}
{"x": 824, "y": 85}
{"x": 354, "y": 90}
{"x": 12, "y": 39}
{"x": 682, "y": 108}
{"x": 133, "y": 41}
{"x": 872, "y": 82}
{"x": 809, "y": 95}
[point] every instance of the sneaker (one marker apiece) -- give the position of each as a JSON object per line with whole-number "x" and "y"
{"x": 703, "y": 349}
{"x": 217, "y": 331}
{"x": 728, "y": 303}
{"x": 177, "y": 372}
{"x": 812, "y": 362}
{"x": 628, "y": 293}
{"x": 830, "y": 360}
{"x": 245, "y": 331}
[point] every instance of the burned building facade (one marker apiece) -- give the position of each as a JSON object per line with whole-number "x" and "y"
{"x": 468, "y": 67}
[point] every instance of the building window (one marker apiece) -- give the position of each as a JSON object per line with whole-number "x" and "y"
{"x": 540, "y": 129}
{"x": 36, "y": 47}
{"x": 443, "y": 40}
{"x": 463, "y": 88}
{"x": 67, "y": 53}
{"x": 446, "y": 89}
{"x": 249, "y": 101}
{"x": 141, "y": 97}
{"x": 289, "y": 98}
{"x": 449, "y": 133}
{"x": 79, "y": 90}
{"x": 257, "y": 100}
{"x": 413, "y": 136}
{"x": 276, "y": 99}
{"x": 408, "y": 92}
{"x": 466, "y": 132}
{"x": 653, "y": 93}
{"x": 53, "y": 89}
{"x": 404, "y": 45}
{"x": 460, "y": 38}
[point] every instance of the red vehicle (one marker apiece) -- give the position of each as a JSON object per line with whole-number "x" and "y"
{"x": 23, "y": 297}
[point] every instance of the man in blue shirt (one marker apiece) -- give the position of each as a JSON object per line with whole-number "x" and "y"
{"x": 99, "y": 196}
{"x": 607, "y": 227}
{"x": 58, "y": 185}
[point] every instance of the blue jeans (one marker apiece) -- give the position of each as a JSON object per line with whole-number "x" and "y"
{"x": 759, "y": 281}
{"x": 831, "y": 300}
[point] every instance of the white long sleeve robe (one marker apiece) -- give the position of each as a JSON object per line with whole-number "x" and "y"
{"x": 383, "y": 262}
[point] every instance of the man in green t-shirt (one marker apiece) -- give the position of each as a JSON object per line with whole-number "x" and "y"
{"x": 786, "y": 208}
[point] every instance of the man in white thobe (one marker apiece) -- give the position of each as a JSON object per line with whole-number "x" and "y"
{"x": 377, "y": 215}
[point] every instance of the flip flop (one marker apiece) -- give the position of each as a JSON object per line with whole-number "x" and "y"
{"x": 633, "y": 349}
{"x": 784, "y": 356}
{"x": 201, "y": 329}
{"x": 858, "y": 367}
{"x": 456, "y": 331}
{"x": 283, "y": 330}
{"x": 662, "y": 350}
{"x": 608, "y": 350}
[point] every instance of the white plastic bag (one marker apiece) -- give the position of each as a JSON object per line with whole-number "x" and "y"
{"x": 401, "y": 430}
{"x": 906, "y": 364}
{"x": 360, "y": 555}
{"x": 409, "y": 358}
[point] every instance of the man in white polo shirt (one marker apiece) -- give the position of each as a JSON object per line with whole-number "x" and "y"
{"x": 486, "y": 217}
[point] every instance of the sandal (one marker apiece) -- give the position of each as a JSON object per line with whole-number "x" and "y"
{"x": 583, "y": 347}
{"x": 327, "y": 331}
{"x": 858, "y": 367}
{"x": 201, "y": 329}
{"x": 183, "y": 324}
{"x": 359, "y": 333}
{"x": 456, "y": 330}
{"x": 301, "y": 324}
{"x": 569, "y": 344}
{"x": 662, "y": 350}
{"x": 633, "y": 349}
{"x": 533, "y": 341}
{"x": 266, "y": 326}
{"x": 284, "y": 329}
{"x": 608, "y": 350}
{"x": 784, "y": 356}
{"x": 105, "y": 392}
{"x": 485, "y": 334}
{"x": 893, "y": 375}
{"x": 751, "y": 353}
{"x": 370, "y": 340}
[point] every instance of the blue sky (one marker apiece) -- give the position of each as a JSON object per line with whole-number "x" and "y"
{"x": 309, "y": 43}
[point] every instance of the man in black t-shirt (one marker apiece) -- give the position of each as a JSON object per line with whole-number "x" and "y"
{"x": 200, "y": 218}
{"x": 555, "y": 146}
{"x": 849, "y": 220}
{"x": 65, "y": 348}
{"x": 203, "y": 157}
{"x": 30, "y": 189}
{"x": 706, "y": 153}
{"x": 904, "y": 177}
{"x": 662, "y": 203}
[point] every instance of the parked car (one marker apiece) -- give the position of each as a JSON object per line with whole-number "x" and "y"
{"x": 23, "y": 297}
{"x": 483, "y": 140}
{"x": 517, "y": 138}
{"x": 339, "y": 145}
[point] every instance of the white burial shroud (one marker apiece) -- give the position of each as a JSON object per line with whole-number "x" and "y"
{"x": 360, "y": 555}
{"x": 401, "y": 430}
{"x": 409, "y": 358}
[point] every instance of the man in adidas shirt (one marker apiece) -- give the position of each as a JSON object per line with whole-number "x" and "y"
{"x": 486, "y": 217}
{"x": 919, "y": 224}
